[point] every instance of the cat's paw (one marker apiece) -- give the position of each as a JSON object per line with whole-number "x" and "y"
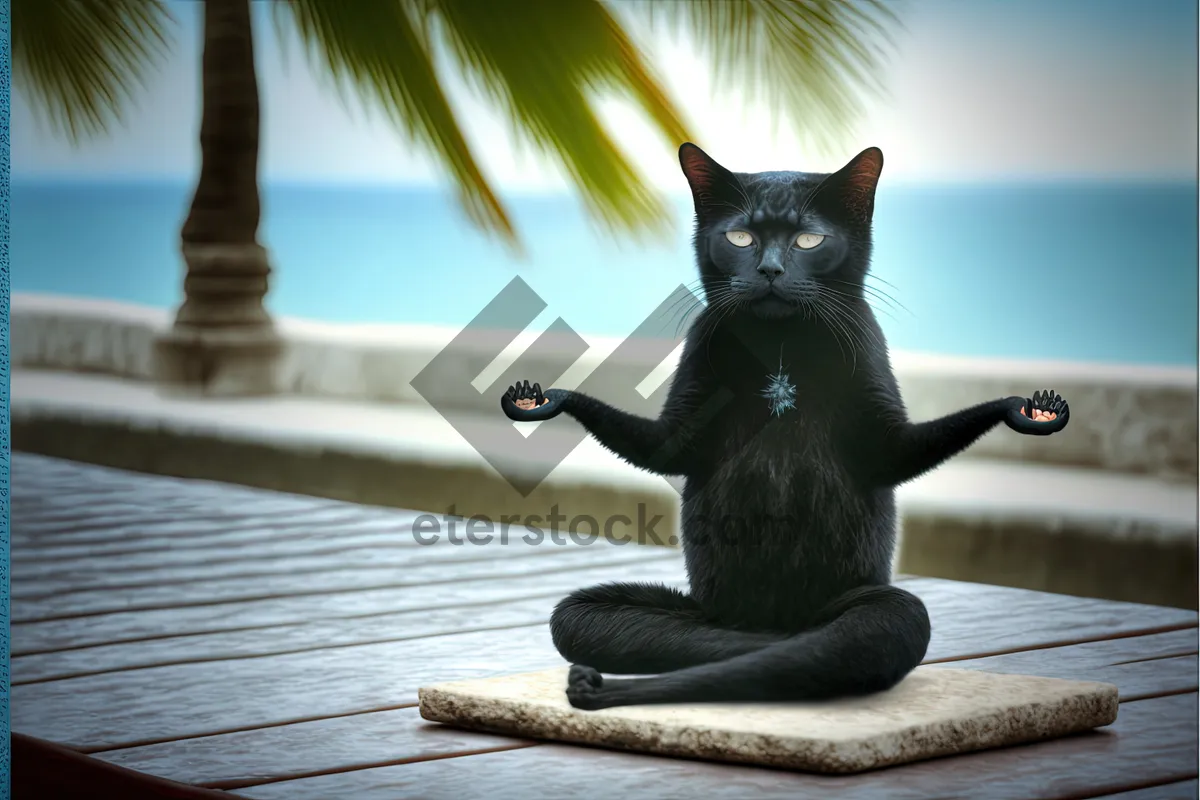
{"x": 1040, "y": 415}
{"x": 584, "y": 688}
{"x": 525, "y": 403}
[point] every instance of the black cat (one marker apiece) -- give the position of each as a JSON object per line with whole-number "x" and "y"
{"x": 787, "y": 424}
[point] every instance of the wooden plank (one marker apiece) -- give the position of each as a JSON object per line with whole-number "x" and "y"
{"x": 529, "y": 610}
{"x": 1104, "y": 652}
{"x": 59, "y": 510}
{"x": 227, "y": 541}
{"x": 32, "y": 470}
{"x": 138, "y": 488}
{"x": 282, "y": 639}
{"x": 249, "y": 757}
{"x": 161, "y": 528}
{"x": 47, "y": 504}
{"x": 1180, "y": 790}
{"x": 158, "y": 527}
{"x": 296, "y": 638}
{"x": 134, "y": 501}
{"x": 36, "y": 637}
{"x": 102, "y": 711}
{"x": 164, "y": 703}
{"x": 990, "y": 620}
{"x": 77, "y": 492}
{"x": 44, "y": 769}
{"x": 1142, "y": 666}
{"x": 118, "y": 625}
{"x": 85, "y": 518}
{"x": 341, "y": 581}
{"x": 1151, "y": 740}
{"x": 165, "y": 560}
{"x": 366, "y": 559}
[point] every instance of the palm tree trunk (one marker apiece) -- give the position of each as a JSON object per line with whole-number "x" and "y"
{"x": 223, "y": 340}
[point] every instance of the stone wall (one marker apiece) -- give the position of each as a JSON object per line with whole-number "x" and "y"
{"x": 1123, "y": 417}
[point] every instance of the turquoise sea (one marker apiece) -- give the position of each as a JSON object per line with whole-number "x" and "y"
{"x": 1093, "y": 272}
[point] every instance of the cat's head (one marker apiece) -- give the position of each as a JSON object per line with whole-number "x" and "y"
{"x": 776, "y": 243}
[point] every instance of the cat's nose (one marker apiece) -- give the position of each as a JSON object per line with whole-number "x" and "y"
{"x": 771, "y": 268}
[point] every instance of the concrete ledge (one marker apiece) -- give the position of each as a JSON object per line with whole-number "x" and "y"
{"x": 1124, "y": 417}
{"x": 1079, "y": 532}
{"x": 401, "y": 457}
{"x": 1086, "y": 532}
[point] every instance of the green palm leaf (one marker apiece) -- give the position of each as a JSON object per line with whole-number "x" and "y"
{"x": 545, "y": 64}
{"x": 81, "y": 60}
{"x": 378, "y": 48}
{"x": 808, "y": 60}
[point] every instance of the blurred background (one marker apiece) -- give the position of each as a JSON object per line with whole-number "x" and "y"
{"x": 1036, "y": 226}
{"x": 1038, "y": 197}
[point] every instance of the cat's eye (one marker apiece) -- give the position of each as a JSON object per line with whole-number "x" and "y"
{"x": 807, "y": 241}
{"x": 739, "y": 238}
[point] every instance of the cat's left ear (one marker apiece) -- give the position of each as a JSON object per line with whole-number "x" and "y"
{"x": 857, "y": 181}
{"x": 711, "y": 183}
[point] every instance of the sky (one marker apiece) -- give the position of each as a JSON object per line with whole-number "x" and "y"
{"x": 975, "y": 90}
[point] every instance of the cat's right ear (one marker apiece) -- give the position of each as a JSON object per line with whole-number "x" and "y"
{"x": 710, "y": 182}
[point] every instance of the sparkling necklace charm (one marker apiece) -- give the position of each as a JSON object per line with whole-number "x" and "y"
{"x": 780, "y": 392}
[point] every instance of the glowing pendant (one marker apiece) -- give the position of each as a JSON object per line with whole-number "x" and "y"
{"x": 780, "y": 392}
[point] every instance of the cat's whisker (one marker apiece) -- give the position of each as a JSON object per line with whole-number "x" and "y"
{"x": 881, "y": 280}
{"x": 853, "y": 316}
{"x": 720, "y": 310}
{"x": 829, "y": 314}
{"x": 820, "y": 312}
{"x": 835, "y": 313}
{"x": 687, "y": 315}
{"x": 684, "y": 300}
{"x": 735, "y": 207}
{"x": 858, "y": 298}
{"x": 679, "y": 310}
{"x": 877, "y": 294}
{"x": 721, "y": 296}
{"x": 741, "y": 189}
{"x": 850, "y": 317}
{"x": 694, "y": 290}
{"x": 883, "y": 296}
{"x": 686, "y": 319}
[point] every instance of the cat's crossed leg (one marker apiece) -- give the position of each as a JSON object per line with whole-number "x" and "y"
{"x": 870, "y": 639}
{"x": 643, "y": 628}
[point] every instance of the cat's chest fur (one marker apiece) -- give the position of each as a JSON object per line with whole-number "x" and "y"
{"x": 782, "y": 420}
{"x": 769, "y": 458}
{"x": 774, "y": 502}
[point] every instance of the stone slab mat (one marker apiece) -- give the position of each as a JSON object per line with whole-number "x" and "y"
{"x": 935, "y": 711}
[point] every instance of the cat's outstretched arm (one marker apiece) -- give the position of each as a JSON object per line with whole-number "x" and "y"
{"x": 661, "y": 445}
{"x": 907, "y": 450}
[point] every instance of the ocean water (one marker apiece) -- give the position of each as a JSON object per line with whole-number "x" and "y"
{"x": 1091, "y": 272}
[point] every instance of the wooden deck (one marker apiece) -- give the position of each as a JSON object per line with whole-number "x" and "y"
{"x": 272, "y": 645}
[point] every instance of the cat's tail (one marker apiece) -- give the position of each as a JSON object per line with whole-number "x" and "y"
{"x": 872, "y": 637}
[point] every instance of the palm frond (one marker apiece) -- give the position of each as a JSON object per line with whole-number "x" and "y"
{"x": 545, "y": 64}
{"x": 378, "y": 48}
{"x": 811, "y": 61}
{"x": 82, "y": 60}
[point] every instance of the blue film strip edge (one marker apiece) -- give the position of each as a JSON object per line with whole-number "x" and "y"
{"x": 5, "y": 374}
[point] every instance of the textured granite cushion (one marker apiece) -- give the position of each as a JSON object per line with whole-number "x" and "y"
{"x": 935, "y": 711}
